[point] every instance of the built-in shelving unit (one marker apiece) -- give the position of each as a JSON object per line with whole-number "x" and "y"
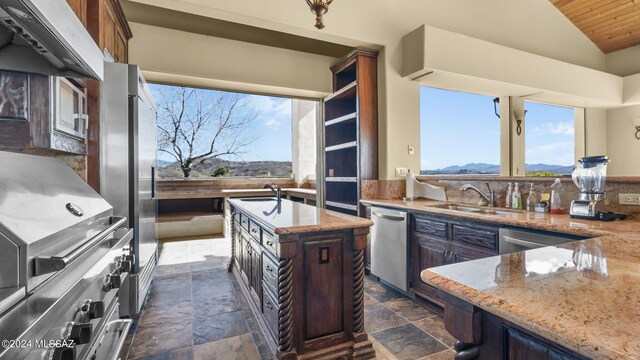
{"x": 351, "y": 131}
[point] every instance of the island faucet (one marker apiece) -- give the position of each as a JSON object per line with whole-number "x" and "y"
{"x": 490, "y": 198}
{"x": 276, "y": 189}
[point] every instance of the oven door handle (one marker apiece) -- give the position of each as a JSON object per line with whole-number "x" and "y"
{"x": 123, "y": 326}
{"x": 523, "y": 243}
{"x": 45, "y": 265}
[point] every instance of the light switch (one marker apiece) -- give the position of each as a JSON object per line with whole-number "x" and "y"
{"x": 412, "y": 149}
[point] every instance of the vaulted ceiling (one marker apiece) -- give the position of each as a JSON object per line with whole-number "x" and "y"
{"x": 611, "y": 24}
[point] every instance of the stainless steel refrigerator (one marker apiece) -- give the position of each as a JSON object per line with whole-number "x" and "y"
{"x": 128, "y": 171}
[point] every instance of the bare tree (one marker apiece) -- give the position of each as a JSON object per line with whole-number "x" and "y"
{"x": 196, "y": 125}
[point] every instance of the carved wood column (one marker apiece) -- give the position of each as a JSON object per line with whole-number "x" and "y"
{"x": 285, "y": 297}
{"x": 359, "y": 246}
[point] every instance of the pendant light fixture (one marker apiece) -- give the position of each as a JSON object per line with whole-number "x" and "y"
{"x": 319, "y": 8}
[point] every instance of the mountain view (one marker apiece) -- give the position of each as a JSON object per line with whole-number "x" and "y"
{"x": 210, "y": 168}
{"x": 491, "y": 169}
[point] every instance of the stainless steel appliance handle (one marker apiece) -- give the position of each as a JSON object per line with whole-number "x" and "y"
{"x": 124, "y": 325}
{"x": 45, "y": 265}
{"x": 523, "y": 243}
{"x": 389, "y": 217}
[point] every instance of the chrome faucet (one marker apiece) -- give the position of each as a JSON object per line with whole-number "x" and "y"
{"x": 276, "y": 189}
{"x": 490, "y": 198}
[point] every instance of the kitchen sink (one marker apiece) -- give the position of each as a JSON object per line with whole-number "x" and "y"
{"x": 257, "y": 199}
{"x": 479, "y": 210}
{"x": 457, "y": 208}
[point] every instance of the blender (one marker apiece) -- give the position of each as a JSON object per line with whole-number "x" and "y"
{"x": 590, "y": 176}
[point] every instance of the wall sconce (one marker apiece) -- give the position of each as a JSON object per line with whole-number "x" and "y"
{"x": 496, "y": 105}
{"x": 636, "y": 120}
{"x": 519, "y": 122}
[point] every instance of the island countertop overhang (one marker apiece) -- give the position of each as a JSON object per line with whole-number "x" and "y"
{"x": 292, "y": 217}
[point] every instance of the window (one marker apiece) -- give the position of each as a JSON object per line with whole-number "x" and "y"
{"x": 459, "y": 133}
{"x": 549, "y": 139}
{"x": 211, "y": 133}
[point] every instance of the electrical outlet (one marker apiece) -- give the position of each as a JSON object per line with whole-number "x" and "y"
{"x": 402, "y": 171}
{"x": 412, "y": 149}
{"x": 629, "y": 199}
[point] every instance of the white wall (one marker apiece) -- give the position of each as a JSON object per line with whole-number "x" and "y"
{"x": 622, "y": 147}
{"x": 304, "y": 117}
{"x": 595, "y": 132}
{"x": 623, "y": 62}
{"x": 173, "y": 56}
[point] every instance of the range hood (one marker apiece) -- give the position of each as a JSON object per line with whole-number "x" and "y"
{"x": 46, "y": 37}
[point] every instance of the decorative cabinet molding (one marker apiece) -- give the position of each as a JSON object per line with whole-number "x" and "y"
{"x": 26, "y": 119}
{"x": 14, "y": 94}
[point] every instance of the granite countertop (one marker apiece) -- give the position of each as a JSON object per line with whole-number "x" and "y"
{"x": 583, "y": 295}
{"x": 296, "y": 217}
{"x": 531, "y": 220}
{"x": 198, "y": 194}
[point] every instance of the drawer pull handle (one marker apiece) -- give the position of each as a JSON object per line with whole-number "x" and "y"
{"x": 269, "y": 243}
{"x": 254, "y": 231}
{"x": 268, "y": 304}
{"x": 269, "y": 268}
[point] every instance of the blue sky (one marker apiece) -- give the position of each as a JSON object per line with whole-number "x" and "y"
{"x": 459, "y": 128}
{"x": 271, "y": 128}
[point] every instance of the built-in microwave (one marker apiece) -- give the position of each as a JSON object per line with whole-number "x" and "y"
{"x": 70, "y": 108}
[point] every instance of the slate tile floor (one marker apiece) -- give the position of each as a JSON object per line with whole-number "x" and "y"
{"x": 196, "y": 311}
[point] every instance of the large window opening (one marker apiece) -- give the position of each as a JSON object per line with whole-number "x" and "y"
{"x": 459, "y": 133}
{"x": 549, "y": 139}
{"x": 206, "y": 133}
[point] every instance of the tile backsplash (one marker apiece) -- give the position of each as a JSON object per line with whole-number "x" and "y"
{"x": 395, "y": 189}
{"x": 76, "y": 162}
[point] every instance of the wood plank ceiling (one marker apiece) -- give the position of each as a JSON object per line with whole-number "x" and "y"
{"x": 611, "y": 24}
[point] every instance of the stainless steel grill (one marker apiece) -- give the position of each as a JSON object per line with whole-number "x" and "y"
{"x": 63, "y": 257}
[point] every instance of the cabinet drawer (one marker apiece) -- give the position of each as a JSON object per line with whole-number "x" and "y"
{"x": 255, "y": 231}
{"x": 430, "y": 227}
{"x": 269, "y": 242}
{"x": 270, "y": 312}
{"x": 244, "y": 222}
{"x": 269, "y": 273}
{"x": 476, "y": 236}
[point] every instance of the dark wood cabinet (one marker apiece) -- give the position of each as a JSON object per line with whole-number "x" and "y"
{"x": 79, "y": 7}
{"x": 437, "y": 241}
{"x": 351, "y": 131}
{"x": 116, "y": 32}
{"x": 255, "y": 282}
{"x": 307, "y": 288}
{"x": 483, "y": 336}
{"x": 520, "y": 346}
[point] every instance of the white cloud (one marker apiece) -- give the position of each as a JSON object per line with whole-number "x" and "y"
{"x": 559, "y": 153}
{"x": 559, "y": 128}
{"x": 272, "y": 123}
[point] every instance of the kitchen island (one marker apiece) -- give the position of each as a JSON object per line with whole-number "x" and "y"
{"x": 303, "y": 269}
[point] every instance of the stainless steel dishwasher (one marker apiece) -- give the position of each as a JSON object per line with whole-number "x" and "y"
{"x": 389, "y": 251}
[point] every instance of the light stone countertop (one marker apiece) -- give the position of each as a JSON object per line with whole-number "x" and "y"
{"x": 294, "y": 217}
{"x": 593, "y": 310}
